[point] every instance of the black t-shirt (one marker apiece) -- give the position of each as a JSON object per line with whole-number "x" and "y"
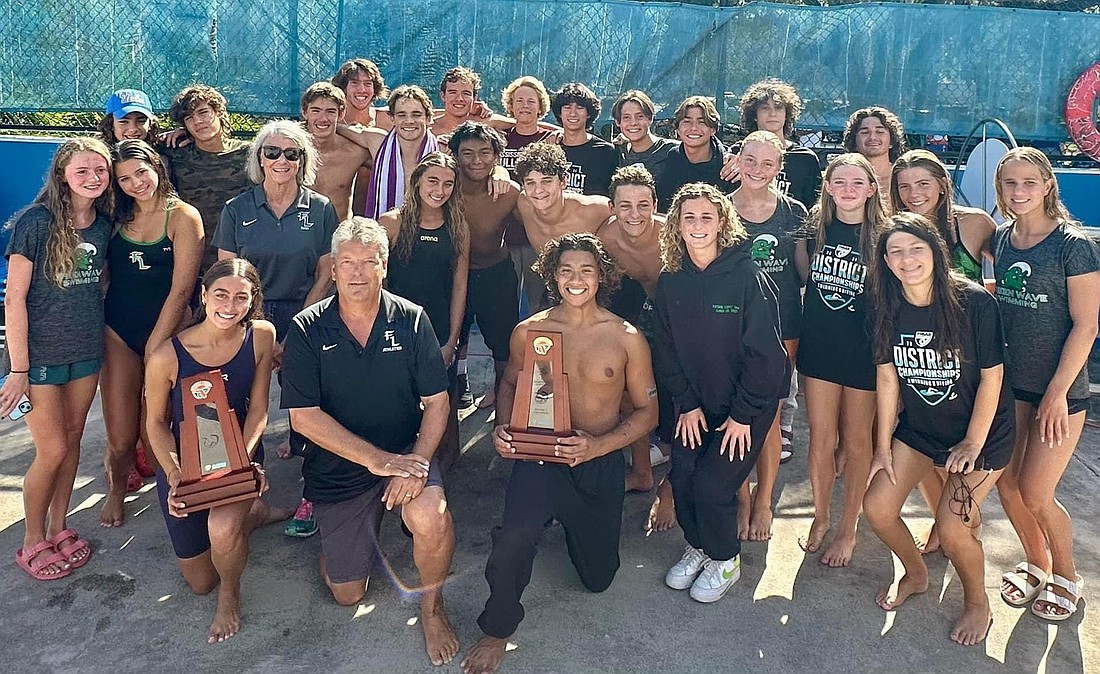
{"x": 938, "y": 391}
{"x": 771, "y": 246}
{"x": 515, "y": 234}
{"x": 800, "y": 178}
{"x": 374, "y": 392}
{"x": 679, "y": 171}
{"x": 836, "y": 343}
{"x": 427, "y": 277}
{"x": 655, "y": 160}
{"x": 591, "y": 166}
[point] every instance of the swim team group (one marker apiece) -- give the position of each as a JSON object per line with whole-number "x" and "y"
{"x": 696, "y": 287}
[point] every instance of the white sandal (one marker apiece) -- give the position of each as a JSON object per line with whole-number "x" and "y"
{"x": 1052, "y": 598}
{"x": 1018, "y": 578}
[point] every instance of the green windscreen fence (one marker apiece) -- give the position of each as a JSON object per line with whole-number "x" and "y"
{"x": 942, "y": 67}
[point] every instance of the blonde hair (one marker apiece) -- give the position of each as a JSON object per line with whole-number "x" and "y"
{"x": 57, "y": 198}
{"x": 531, "y": 83}
{"x": 767, "y": 138}
{"x": 730, "y": 230}
{"x": 874, "y": 213}
{"x": 1053, "y": 207}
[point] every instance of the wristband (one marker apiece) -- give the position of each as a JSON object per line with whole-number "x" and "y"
{"x": 19, "y": 371}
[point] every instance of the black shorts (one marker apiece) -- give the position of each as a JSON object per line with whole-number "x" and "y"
{"x": 1076, "y": 405}
{"x": 349, "y": 529}
{"x": 189, "y": 535}
{"x": 995, "y": 455}
{"x": 491, "y": 300}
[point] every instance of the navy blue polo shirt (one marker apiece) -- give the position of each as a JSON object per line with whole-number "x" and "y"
{"x": 285, "y": 250}
{"x": 374, "y": 392}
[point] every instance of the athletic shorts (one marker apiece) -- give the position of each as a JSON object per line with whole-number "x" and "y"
{"x": 63, "y": 374}
{"x": 995, "y": 455}
{"x": 189, "y": 535}
{"x": 349, "y": 530}
{"x": 491, "y": 300}
{"x": 1076, "y": 405}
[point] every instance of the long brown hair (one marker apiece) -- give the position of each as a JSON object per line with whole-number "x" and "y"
{"x": 408, "y": 218}
{"x": 874, "y": 213}
{"x": 143, "y": 152}
{"x": 945, "y": 207}
{"x": 234, "y": 266}
{"x": 887, "y": 295}
{"x": 56, "y": 197}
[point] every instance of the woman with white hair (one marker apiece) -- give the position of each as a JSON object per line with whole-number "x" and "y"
{"x": 281, "y": 226}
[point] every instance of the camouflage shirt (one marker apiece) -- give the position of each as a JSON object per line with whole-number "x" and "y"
{"x": 207, "y": 180}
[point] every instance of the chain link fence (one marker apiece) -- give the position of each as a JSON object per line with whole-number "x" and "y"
{"x": 941, "y": 67}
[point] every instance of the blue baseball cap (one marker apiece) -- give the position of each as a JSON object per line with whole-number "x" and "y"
{"x": 125, "y": 101}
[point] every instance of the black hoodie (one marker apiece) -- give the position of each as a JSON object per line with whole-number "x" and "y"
{"x": 717, "y": 342}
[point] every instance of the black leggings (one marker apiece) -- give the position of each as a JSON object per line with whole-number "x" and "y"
{"x": 705, "y": 484}
{"x": 587, "y": 500}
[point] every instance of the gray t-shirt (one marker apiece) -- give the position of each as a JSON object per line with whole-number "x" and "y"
{"x": 771, "y": 245}
{"x": 284, "y": 250}
{"x": 1031, "y": 289}
{"x": 65, "y": 323}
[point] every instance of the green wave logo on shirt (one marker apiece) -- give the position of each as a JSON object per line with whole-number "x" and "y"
{"x": 839, "y": 275}
{"x": 83, "y": 256}
{"x": 763, "y": 248}
{"x": 1015, "y": 277}
{"x": 929, "y": 373}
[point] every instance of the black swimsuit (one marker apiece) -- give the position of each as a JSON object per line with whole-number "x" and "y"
{"x": 141, "y": 278}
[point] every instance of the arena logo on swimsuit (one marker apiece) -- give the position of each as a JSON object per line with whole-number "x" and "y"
{"x": 839, "y": 276}
{"x": 928, "y": 372}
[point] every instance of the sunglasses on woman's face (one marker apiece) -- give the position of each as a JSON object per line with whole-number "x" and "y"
{"x": 273, "y": 152}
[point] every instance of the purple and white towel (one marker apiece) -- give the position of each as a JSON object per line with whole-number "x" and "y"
{"x": 387, "y": 182}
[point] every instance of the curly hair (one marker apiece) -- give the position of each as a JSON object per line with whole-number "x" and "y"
{"x": 730, "y": 230}
{"x": 408, "y": 219}
{"x": 575, "y": 92}
{"x": 361, "y": 67}
{"x": 887, "y": 296}
{"x": 1052, "y": 202}
{"x": 195, "y": 95}
{"x": 550, "y": 259}
{"x": 776, "y": 91}
{"x": 888, "y": 119}
{"x": 633, "y": 175}
{"x": 531, "y": 83}
{"x": 546, "y": 158}
{"x": 461, "y": 74}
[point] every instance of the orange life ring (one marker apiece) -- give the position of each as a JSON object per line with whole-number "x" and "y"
{"x": 1080, "y": 104}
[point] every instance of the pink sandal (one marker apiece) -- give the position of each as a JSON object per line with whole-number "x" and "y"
{"x": 37, "y": 560}
{"x": 67, "y": 551}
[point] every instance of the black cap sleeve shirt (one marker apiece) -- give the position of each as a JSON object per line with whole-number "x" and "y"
{"x": 374, "y": 392}
{"x": 771, "y": 245}
{"x": 938, "y": 390}
{"x": 836, "y": 344}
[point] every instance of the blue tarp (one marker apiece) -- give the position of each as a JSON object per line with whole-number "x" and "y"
{"x": 942, "y": 67}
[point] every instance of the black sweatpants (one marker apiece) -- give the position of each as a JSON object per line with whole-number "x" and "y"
{"x": 587, "y": 500}
{"x": 705, "y": 484}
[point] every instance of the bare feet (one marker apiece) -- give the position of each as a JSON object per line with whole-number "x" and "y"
{"x": 812, "y": 541}
{"x": 485, "y": 656}
{"x": 112, "y": 514}
{"x": 439, "y": 636}
{"x": 839, "y": 552}
{"x": 760, "y": 526}
{"x": 662, "y": 514}
{"x": 227, "y": 617}
{"x": 283, "y": 450}
{"x": 639, "y": 480}
{"x": 744, "y": 512}
{"x": 931, "y": 543}
{"x": 909, "y": 585}
{"x": 261, "y": 514}
{"x": 487, "y": 400}
{"x": 973, "y": 625}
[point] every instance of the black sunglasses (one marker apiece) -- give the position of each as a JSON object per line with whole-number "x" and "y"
{"x": 272, "y": 152}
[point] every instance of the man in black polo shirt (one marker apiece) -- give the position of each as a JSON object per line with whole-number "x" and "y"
{"x": 356, "y": 370}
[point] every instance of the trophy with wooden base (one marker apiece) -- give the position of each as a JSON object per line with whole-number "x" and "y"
{"x": 540, "y": 411}
{"x": 214, "y": 462}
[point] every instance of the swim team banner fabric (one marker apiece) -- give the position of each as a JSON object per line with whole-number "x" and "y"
{"x": 942, "y": 66}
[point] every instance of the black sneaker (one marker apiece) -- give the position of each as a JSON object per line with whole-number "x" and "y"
{"x": 465, "y": 398}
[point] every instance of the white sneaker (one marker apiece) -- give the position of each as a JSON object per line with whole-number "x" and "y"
{"x": 683, "y": 573}
{"x": 717, "y": 578}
